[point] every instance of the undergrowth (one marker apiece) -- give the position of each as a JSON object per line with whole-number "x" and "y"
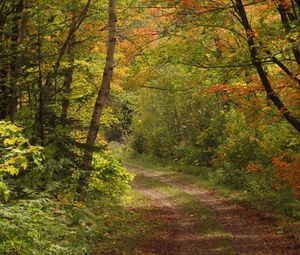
{"x": 252, "y": 189}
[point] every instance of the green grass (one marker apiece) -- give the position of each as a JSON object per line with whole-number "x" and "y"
{"x": 206, "y": 224}
{"x": 202, "y": 177}
{"x": 190, "y": 174}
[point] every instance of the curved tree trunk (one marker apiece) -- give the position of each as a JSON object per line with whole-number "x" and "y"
{"x": 260, "y": 70}
{"x": 285, "y": 21}
{"x": 102, "y": 94}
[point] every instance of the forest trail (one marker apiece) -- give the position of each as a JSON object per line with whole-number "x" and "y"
{"x": 246, "y": 231}
{"x": 180, "y": 235}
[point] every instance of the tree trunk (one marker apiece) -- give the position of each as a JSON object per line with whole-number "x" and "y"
{"x": 260, "y": 70}
{"x": 67, "y": 90}
{"x": 3, "y": 65}
{"x": 285, "y": 21}
{"x": 45, "y": 88}
{"x": 3, "y": 93}
{"x": 102, "y": 94}
{"x": 68, "y": 75}
{"x": 40, "y": 115}
{"x": 17, "y": 38}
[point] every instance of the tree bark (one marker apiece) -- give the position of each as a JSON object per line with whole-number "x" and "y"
{"x": 283, "y": 67}
{"x": 260, "y": 70}
{"x": 3, "y": 93}
{"x": 67, "y": 90}
{"x": 102, "y": 94}
{"x": 17, "y": 38}
{"x": 68, "y": 75}
{"x": 3, "y": 64}
{"x": 285, "y": 21}
{"x": 44, "y": 88}
{"x": 10, "y": 13}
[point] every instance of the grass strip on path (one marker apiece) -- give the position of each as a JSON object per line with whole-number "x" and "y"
{"x": 206, "y": 224}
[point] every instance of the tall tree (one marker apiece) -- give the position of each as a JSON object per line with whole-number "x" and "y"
{"x": 46, "y": 89}
{"x": 256, "y": 61}
{"x": 68, "y": 73}
{"x": 103, "y": 92}
{"x": 11, "y": 39}
{"x": 287, "y": 13}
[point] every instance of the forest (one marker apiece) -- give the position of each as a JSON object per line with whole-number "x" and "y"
{"x": 157, "y": 127}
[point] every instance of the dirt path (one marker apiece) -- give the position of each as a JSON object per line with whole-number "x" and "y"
{"x": 249, "y": 232}
{"x": 181, "y": 236}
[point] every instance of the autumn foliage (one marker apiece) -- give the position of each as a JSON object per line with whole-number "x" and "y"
{"x": 288, "y": 171}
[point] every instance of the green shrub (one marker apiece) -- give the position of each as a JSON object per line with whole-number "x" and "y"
{"x": 109, "y": 179}
{"x": 16, "y": 154}
{"x": 42, "y": 226}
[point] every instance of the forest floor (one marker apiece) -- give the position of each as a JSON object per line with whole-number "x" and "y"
{"x": 200, "y": 221}
{"x": 179, "y": 216}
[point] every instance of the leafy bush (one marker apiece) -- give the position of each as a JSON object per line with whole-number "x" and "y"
{"x": 16, "y": 154}
{"x": 40, "y": 224}
{"x": 109, "y": 179}
{"x": 42, "y": 214}
{"x": 43, "y": 226}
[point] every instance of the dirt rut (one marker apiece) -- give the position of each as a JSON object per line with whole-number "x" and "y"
{"x": 250, "y": 232}
{"x": 180, "y": 236}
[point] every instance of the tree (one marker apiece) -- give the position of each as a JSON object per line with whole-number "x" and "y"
{"x": 260, "y": 70}
{"x": 103, "y": 91}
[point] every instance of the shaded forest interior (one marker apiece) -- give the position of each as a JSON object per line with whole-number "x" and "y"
{"x": 208, "y": 88}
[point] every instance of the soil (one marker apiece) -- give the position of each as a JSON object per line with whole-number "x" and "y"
{"x": 180, "y": 234}
{"x": 250, "y": 232}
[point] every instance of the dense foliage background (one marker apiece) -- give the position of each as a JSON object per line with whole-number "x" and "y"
{"x": 199, "y": 98}
{"x": 209, "y": 84}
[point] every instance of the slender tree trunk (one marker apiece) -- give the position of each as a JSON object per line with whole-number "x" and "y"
{"x": 68, "y": 75}
{"x": 40, "y": 115}
{"x": 17, "y": 38}
{"x": 285, "y": 21}
{"x": 74, "y": 27}
{"x": 22, "y": 56}
{"x": 67, "y": 90}
{"x": 260, "y": 70}
{"x": 44, "y": 88}
{"x": 103, "y": 92}
{"x": 7, "y": 9}
{"x": 283, "y": 67}
{"x": 3, "y": 65}
{"x": 40, "y": 123}
{"x": 3, "y": 93}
